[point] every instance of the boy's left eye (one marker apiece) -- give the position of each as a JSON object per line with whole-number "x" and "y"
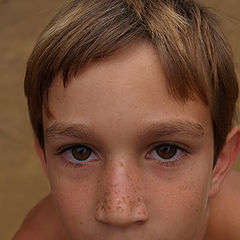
{"x": 166, "y": 152}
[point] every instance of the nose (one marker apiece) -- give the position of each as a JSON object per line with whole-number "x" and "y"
{"x": 122, "y": 203}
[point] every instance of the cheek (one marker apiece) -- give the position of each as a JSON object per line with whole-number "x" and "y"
{"x": 74, "y": 201}
{"x": 180, "y": 203}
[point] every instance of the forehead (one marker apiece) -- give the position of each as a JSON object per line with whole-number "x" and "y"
{"x": 126, "y": 89}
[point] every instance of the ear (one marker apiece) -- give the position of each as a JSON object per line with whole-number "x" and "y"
{"x": 225, "y": 160}
{"x": 41, "y": 155}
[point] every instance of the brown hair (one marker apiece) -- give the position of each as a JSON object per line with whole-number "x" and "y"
{"x": 195, "y": 56}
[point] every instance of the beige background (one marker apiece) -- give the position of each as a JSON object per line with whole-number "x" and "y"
{"x": 22, "y": 182}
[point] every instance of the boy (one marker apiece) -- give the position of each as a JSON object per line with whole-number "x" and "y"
{"x": 132, "y": 104}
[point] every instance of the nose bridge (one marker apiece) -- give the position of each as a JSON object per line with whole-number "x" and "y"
{"x": 121, "y": 188}
{"x": 122, "y": 201}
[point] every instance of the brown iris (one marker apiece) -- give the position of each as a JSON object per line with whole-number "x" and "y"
{"x": 166, "y": 151}
{"x": 81, "y": 153}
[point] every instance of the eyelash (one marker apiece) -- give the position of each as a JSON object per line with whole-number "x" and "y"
{"x": 165, "y": 163}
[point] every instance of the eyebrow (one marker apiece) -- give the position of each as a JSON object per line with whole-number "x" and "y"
{"x": 175, "y": 127}
{"x": 165, "y": 129}
{"x": 58, "y": 129}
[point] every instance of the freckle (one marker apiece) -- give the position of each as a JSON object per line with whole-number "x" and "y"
{"x": 139, "y": 199}
{"x": 121, "y": 164}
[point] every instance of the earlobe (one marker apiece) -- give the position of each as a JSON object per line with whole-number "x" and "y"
{"x": 225, "y": 160}
{"x": 41, "y": 155}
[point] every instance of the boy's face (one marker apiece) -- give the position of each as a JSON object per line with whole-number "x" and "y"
{"x": 125, "y": 160}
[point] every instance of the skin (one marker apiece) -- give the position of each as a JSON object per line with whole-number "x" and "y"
{"x": 223, "y": 223}
{"x": 125, "y": 190}
{"x": 224, "y": 217}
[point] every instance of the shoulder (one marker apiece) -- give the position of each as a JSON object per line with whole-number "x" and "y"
{"x": 41, "y": 223}
{"x": 224, "y": 219}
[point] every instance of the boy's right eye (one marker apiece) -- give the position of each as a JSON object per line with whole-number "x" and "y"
{"x": 78, "y": 154}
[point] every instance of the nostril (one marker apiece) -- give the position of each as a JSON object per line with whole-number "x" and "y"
{"x": 140, "y": 222}
{"x": 121, "y": 214}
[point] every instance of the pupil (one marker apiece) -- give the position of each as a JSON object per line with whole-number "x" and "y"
{"x": 166, "y": 152}
{"x": 81, "y": 153}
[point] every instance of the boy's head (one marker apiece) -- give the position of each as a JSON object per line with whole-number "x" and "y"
{"x": 131, "y": 102}
{"x": 195, "y": 57}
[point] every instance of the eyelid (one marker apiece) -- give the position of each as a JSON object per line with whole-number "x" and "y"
{"x": 184, "y": 147}
{"x": 66, "y": 147}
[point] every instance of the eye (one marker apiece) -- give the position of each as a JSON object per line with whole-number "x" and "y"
{"x": 166, "y": 153}
{"x": 79, "y": 154}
